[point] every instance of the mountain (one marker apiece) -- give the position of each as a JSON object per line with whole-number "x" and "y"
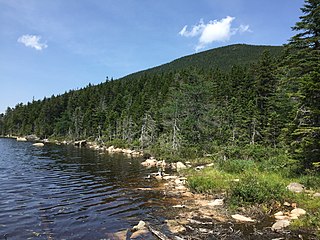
{"x": 222, "y": 57}
{"x": 222, "y": 96}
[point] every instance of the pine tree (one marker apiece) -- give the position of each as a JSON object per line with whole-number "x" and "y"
{"x": 303, "y": 72}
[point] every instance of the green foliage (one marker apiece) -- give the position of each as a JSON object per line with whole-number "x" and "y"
{"x": 210, "y": 181}
{"x": 301, "y": 68}
{"x": 237, "y": 166}
{"x": 258, "y": 189}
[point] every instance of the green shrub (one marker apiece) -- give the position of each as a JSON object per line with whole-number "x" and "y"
{"x": 258, "y": 189}
{"x": 237, "y": 166}
{"x": 311, "y": 181}
{"x": 209, "y": 181}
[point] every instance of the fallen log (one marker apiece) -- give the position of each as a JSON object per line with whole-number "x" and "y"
{"x": 158, "y": 234}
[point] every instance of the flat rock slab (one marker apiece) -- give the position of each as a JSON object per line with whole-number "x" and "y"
{"x": 280, "y": 225}
{"x": 241, "y": 218}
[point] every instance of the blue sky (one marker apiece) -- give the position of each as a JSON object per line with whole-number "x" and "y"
{"x": 51, "y": 46}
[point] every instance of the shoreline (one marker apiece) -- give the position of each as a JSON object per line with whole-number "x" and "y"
{"x": 193, "y": 210}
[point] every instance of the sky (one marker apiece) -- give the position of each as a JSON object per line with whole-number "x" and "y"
{"x": 51, "y": 46}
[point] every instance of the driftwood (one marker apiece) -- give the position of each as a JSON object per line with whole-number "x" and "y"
{"x": 158, "y": 234}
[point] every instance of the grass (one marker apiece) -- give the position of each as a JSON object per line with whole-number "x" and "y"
{"x": 263, "y": 175}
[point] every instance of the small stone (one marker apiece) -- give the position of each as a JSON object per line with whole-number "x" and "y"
{"x": 296, "y": 187}
{"x": 242, "y": 218}
{"x": 38, "y": 144}
{"x": 141, "y": 234}
{"x": 316, "y": 194}
{"x": 279, "y": 225}
{"x": 298, "y": 211}
{"x": 179, "y": 206}
{"x": 216, "y": 202}
{"x": 141, "y": 225}
{"x": 279, "y": 213}
{"x": 286, "y": 204}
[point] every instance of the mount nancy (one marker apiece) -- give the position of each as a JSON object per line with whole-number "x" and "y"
{"x": 227, "y": 95}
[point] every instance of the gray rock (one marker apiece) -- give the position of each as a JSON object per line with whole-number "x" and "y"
{"x": 141, "y": 226}
{"x": 296, "y": 187}
{"x": 180, "y": 166}
{"x": 280, "y": 225}
{"x": 316, "y": 194}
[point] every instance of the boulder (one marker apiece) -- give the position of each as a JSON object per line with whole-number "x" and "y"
{"x": 296, "y": 187}
{"x": 298, "y": 212}
{"x": 149, "y": 163}
{"x": 280, "y": 225}
{"x": 180, "y": 166}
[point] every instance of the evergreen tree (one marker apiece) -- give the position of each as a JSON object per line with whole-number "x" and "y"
{"x": 303, "y": 76}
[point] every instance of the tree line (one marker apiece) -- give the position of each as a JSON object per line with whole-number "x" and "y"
{"x": 188, "y": 110}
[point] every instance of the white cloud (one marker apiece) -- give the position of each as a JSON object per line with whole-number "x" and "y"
{"x": 32, "y": 41}
{"x": 213, "y": 31}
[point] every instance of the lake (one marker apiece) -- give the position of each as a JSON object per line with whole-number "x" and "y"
{"x": 63, "y": 192}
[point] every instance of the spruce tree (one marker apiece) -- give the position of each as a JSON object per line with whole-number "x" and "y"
{"x": 303, "y": 75}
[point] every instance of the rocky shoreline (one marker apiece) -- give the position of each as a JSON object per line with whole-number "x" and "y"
{"x": 192, "y": 215}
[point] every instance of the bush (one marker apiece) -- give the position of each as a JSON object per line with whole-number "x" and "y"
{"x": 210, "y": 181}
{"x": 258, "y": 189}
{"x": 237, "y": 166}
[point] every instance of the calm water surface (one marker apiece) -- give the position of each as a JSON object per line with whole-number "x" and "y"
{"x": 62, "y": 192}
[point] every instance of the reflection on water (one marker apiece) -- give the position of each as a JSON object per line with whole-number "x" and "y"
{"x": 61, "y": 192}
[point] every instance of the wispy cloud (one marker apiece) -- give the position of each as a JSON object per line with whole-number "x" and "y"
{"x": 213, "y": 31}
{"x": 32, "y": 41}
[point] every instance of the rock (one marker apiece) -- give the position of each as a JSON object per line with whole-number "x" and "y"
{"x": 279, "y": 225}
{"x": 286, "y": 204}
{"x": 180, "y": 166}
{"x": 210, "y": 165}
{"x": 141, "y": 234}
{"x": 170, "y": 177}
{"x": 141, "y": 225}
{"x": 241, "y": 218}
{"x": 296, "y": 187}
{"x": 80, "y": 143}
{"x": 32, "y": 138}
{"x": 282, "y": 217}
{"x": 293, "y": 216}
{"x": 198, "y": 168}
{"x": 179, "y": 206}
{"x": 279, "y": 213}
{"x": 38, "y": 144}
{"x": 316, "y": 194}
{"x": 21, "y": 139}
{"x": 150, "y": 163}
{"x": 175, "y": 226}
{"x": 298, "y": 211}
{"x": 216, "y": 202}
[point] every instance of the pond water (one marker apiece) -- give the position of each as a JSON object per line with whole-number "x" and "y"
{"x": 63, "y": 192}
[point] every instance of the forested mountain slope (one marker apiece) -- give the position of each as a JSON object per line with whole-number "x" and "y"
{"x": 222, "y": 57}
{"x": 221, "y": 96}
